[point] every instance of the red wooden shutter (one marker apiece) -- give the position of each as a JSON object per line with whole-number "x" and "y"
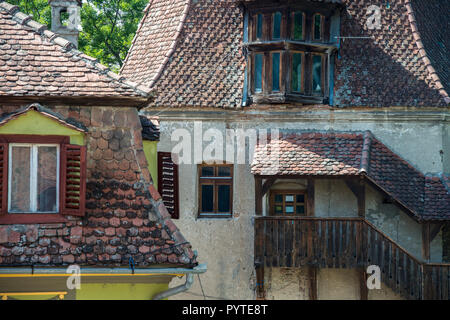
{"x": 73, "y": 179}
{"x": 3, "y": 178}
{"x": 168, "y": 183}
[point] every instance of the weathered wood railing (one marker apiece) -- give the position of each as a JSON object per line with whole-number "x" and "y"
{"x": 347, "y": 243}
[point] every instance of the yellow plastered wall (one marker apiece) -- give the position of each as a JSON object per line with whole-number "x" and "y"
{"x": 34, "y": 123}
{"x": 120, "y": 291}
{"x": 151, "y": 154}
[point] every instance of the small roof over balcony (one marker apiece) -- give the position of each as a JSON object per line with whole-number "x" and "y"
{"x": 344, "y": 154}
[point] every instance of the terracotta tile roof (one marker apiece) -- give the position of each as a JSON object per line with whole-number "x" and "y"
{"x": 204, "y": 64}
{"x": 155, "y": 39}
{"x": 150, "y": 128}
{"x": 36, "y": 62}
{"x": 354, "y": 154}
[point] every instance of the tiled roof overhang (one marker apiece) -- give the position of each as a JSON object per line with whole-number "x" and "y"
{"x": 355, "y": 155}
{"x": 36, "y": 63}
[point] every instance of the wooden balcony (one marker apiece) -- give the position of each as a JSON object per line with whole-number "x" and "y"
{"x": 347, "y": 243}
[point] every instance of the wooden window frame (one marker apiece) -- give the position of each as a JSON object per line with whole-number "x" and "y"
{"x": 286, "y": 46}
{"x": 215, "y": 181}
{"x": 7, "y": 217}
{"x": 293, "y": 25}
{"x": 285, "y": 192}
{"x": 33, "y": 173}
{"x": 302, "y": 74}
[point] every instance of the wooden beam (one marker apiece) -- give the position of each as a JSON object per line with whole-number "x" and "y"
{"x": 426, "y": 241}
{"x": 310, "y": 197}
{"x": 359, "y": 190}
{"x": 267, "y": 184}
{"x": 364, "y": 292}
{"x": 434, "y": 230}
{"x": 312, "y": 283}
{"x": 260, "y": 291}
{"x": 258, "y": 196}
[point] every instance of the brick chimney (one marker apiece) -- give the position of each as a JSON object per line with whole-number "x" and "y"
{"x": 70, "y": 28}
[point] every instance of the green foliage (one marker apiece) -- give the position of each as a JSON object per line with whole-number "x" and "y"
{"x": 108, "y": 26}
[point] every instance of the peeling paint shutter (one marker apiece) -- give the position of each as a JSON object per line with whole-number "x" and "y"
{"x": 3, "y": 178}
{"x": 168, "y": 183}
{"x": 73, "y": 179}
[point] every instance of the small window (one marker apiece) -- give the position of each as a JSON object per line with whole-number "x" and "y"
{"x": 287, "y": 202}
{"x": 215, "y": 190}
{"x": 259, "y": 26}
{"x": 297, "y": 72}
{"x": 298, "y": 25}
{"x": 33, "y": 178}
{"x": 276, "y": 65}
{"x": 276, "y": 32}
{"x": 317, "y": 75}
{"x": 317, "y": 30}
{"x": 258, "y": 72}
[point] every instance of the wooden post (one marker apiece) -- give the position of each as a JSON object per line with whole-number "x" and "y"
{"x": 426, "y": 239}
{"x": 312, "y": 283}
{"x": 361, "y": 200}
{"x": 258, "y": 196}
{"x": 364, "y": 292}
{"x": 260, "y": 292}
{"x": 310, "y": 198}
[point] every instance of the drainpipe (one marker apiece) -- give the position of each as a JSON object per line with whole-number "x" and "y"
{"x": 173, "y": 291}
{"x": 181, "y": 288}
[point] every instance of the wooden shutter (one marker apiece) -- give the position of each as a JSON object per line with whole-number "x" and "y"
{"x": 3, "y": 178}
{"x": 168, "y": 183}
{"x": 73, "y": 179}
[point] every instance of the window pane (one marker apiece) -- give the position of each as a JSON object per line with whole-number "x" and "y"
{"x": 259, "y": 26}
{"x": 289, "y": 198}
{"x": 47, "y": 179}
{"x": 258, "y": 72}
{"x": 298, "y": 25}
{"x": 289, "y": 209}
{"x": 317, "y": 27}
{"x": 297, "y": 72}
{"x": 300, "y": 198}
{"x": 276, "y": 25}
{"x": 224, "y": 198}
{"x": 224, "y": 171}
{"x": 279, "y": 198}
{"x": 300, "y": 210}
{"x": 279, "y": 209}
{"x": 276, "y": 71}
{"x": 20, "y": 179}
{"x": 317, "y": 74}
{"x": 207, "y": 171}
{"x": 207, "y": 198}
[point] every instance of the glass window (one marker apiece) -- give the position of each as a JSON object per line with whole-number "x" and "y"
{"x": 317, "y": 74}
{"x": 216, "y": 187}
{"x": 317, "y": 27}
{"x": 287, "y": 202}
{"x": 298, "y": 26}
{"x": 259, "y": 26}
{"x": 207, "y": 198}
{"x": 258, "y": 72}
{"x": 297, "y": 72}
{"x": 276, "y": 32}
{"x": 276, "y": 71}
{"x": 34, "y": 176}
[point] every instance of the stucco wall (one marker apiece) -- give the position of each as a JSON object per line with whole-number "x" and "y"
{"x": 226, "y": 245}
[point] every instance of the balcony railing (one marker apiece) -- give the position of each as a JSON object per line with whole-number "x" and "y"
{"x": 347, "y": 243}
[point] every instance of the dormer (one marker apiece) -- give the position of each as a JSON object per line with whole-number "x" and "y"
{"x": 291, "y": 48}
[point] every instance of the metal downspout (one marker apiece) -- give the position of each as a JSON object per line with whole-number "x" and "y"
{"x": 176, "y": 290}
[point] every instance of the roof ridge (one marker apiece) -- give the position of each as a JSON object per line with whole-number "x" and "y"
{"x": 365, "y": 154}
{"x": 172, "y": 47}
{"x": 422, "y": 52}
{"x": 26, "y": 20}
